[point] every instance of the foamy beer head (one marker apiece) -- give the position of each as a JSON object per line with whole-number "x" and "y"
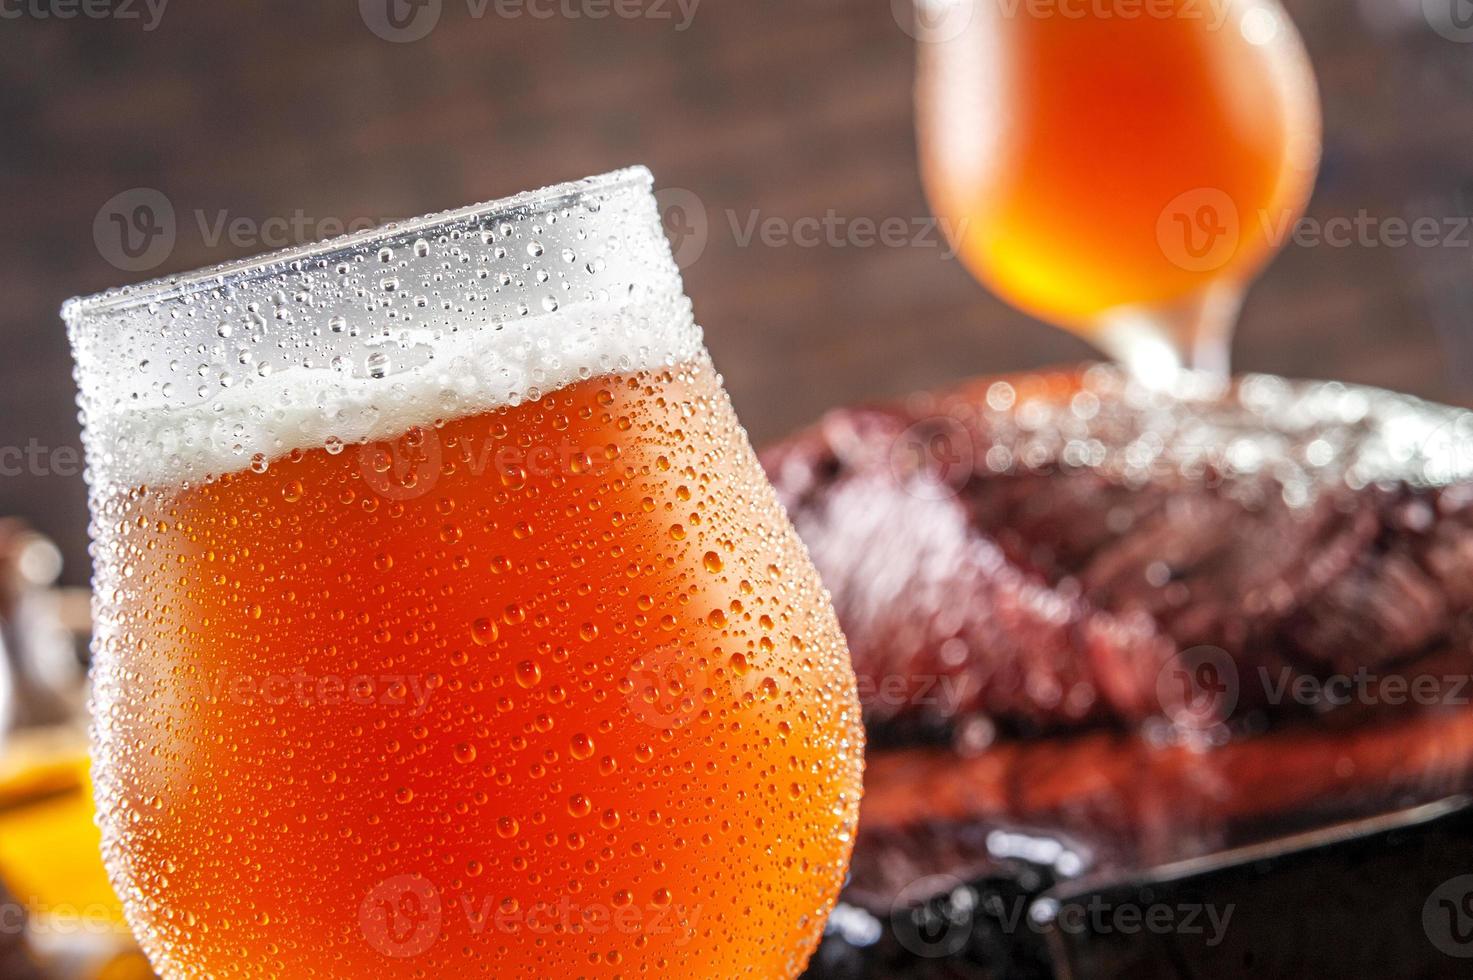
{"x": 365, "y": 337}
{"x": 446, "y": 625}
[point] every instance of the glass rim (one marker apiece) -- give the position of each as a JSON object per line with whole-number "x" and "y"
{"x": 262, "y": 266}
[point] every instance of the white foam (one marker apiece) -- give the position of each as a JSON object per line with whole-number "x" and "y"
{"x": 459, "y": 374}
{"x": 364, "y": 337}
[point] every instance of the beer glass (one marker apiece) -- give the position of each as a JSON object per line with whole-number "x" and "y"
{"x": 445, "y": 622}
{"x": 1118, "y": 168}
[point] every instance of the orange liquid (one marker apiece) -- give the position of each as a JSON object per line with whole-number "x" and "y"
{"x": 558, "y": 695}
{"x": 1094, "y": 161}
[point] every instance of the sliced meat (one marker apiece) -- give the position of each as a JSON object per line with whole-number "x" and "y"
{"x": 1034, "y": 554}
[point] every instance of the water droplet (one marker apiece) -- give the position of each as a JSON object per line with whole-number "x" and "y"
{"x": 528, "y": 674}
{"x": 484, "y": 631}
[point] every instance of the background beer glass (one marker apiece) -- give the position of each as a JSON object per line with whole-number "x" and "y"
{"x": 1117, "y": 168}
{"x": 446, "y": 625}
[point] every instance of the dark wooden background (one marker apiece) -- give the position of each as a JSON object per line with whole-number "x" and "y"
{"x": 791, "y": 107}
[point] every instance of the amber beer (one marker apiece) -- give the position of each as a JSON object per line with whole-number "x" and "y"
{"x": 546, "y": 688}
{"x": 1118, "y": 167}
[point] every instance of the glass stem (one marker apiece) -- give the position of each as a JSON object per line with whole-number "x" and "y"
{"x": 1155, "y": 343}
